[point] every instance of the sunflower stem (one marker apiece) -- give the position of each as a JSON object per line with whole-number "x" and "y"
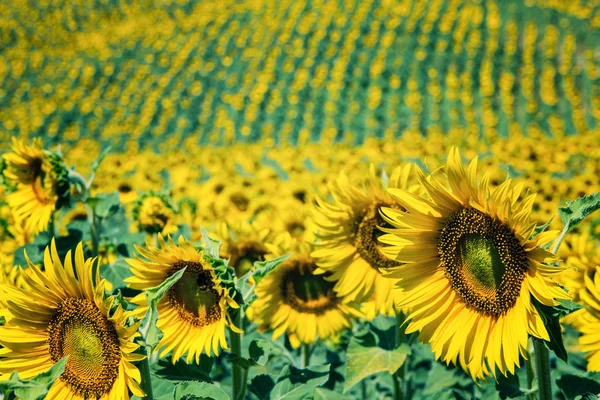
{"x": 530, "y": 372}
{"x": 93, "y": 221}
{"x": 560, "y": 239}
{"x": 306, "y": 353}
{"x": 542, "y": 369}
{"x": 146, "y": 377}
{"x": 239, "y": 374}
{"x": 399, "y": 377}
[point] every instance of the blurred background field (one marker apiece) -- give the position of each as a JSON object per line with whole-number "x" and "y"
{"x": 234, "y": 103}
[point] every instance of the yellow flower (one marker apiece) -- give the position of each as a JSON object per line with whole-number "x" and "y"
{"x": 347, "y": 246}
{"x": 194, "y": 313}
{"x": 39, "y": 182}
{"x": 471, "y": 270}
{"x": 587, "y": 320}
{"x": 154, "y": 213}
{"x": 293, "y": 300}
{"x": 243, "y": 244}
{"x": 63, "y": 312}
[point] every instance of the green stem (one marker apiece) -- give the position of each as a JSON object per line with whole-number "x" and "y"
{"x": 560, "y": 238}
{"x": 530, "y": 372}
{"x": 146, "y": 377}
{"x": 93, "y": 220}
{"x": 306, "y": 353}
{"x": 542, "y": 369}
{"x": 239, "y": 374}
{"x": 363, "y": 389}
{"x": 398, "y": 392}
{"x": 400, "y": 381}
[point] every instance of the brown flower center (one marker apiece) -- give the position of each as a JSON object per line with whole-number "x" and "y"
{"x": 366, "y": 238}
{"x": 306, "y": 292}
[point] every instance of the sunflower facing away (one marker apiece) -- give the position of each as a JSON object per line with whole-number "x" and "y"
{"x": 347, "y": 246}
{"x": 194, "y": 313}
{"x": 293, "y": 300}
{"x": 63, "y": 312}
{"x": 154, "y": 213}
{"x": 587, "y": 320}
{"x": 39, "y": 183}
{"x": 471, "y": 270}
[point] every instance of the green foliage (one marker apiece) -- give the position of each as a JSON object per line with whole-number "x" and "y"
{"x": 182, "y": 371}
{"x": 212, "y": 246}
{"x": 259, "y": 351}
{"x": 148, "y": 328}
{"x": 577, "y": 210}
{"x": 374, "y": 351}
{"x": 35, "y": 388}
{"x": 105, "y": 205}
{"x": 573, "y": 386}
{"x": 198, "y": 391}
{"x": 551, "y": 317}
{"x": 96, "y": 163}
{"x": 296, "y": 383}
{"x": 116, "y": 273}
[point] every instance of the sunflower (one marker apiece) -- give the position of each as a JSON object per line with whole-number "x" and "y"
{"x": 292, "y": 299}
{"x": 347, "y": 246}
{"x": 63, "y": 312}
{"x": 472, "y": 269}
{"x": 39, "y": 182}
{"x": 587, "y": 320}
{"x": 154, "y": 213}
{"x": 194, "y": 313}
{"x": 243, "y": 244}
{"x": 580, "y": 254}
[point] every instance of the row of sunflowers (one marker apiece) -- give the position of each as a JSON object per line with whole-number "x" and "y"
{"x": 346, "y": 285}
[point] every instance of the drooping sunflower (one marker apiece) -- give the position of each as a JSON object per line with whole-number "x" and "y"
{"x": 292, "y": 299}
{"x": 347, "y": 246}
{"x": 587, "y": 320}
{"x": 471, "y": 270}
{"x": 38, "y": 183}
{"x": 63, "y": 312}
{"x": 194, "y": 313}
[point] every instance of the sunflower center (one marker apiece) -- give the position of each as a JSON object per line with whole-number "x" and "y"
{"x": 37, "y": 176}
{"x": 194, "y": 295}
{"x": 306, "y": 292}
{"x": 79, "y": 330}
{"x": 484, "y": 261}
{"x": 366, "y": 237}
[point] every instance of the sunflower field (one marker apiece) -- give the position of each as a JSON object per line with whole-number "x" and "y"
{"x": 299, "y": 199}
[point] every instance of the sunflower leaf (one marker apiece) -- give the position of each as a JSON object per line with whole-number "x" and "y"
{"x": 198, "y": 391}
{"x": 259, "y": 351}
{"x": 148, "y": 328}
{"x": 213, "y": 246}
{"x": 572, "y": 386}
{"x": 296, "y": 383}
{"x": 261, "y": 386}
{"x": 262, "y": 268}
{"x": 541, "y": 228}
{"x": 551, "y": 319}
{"x": 96, "y": 163}
{"x": 577, "y": 210}
{"x": 105, "y": 204}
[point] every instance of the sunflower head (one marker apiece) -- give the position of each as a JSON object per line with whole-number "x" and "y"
{"x": 62, "y": 311}
{"x": 243, "y": 244}
{"x": 195, "y": 312}
{"x": 38, "y": 183}
{"x": 154, "y": 213}
{"x": 347, "y": 232}
{"x": 470, "y": 267}
{"x": 292, "y": 299}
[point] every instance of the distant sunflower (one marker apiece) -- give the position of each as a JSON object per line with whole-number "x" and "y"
{"x": 243, "y": 244}
{"x": 587, "y": 320}
{"x": 39, "y": 182}
{"x": 293, "y": 300}
{"x": 580, "y": 254}
{"x": 154, "y": 213}
{"x": 347, "y": 247}
{"x": 63, "y": 312}
{"x": 193, "y": 314}
{"x": 471, "y": 270}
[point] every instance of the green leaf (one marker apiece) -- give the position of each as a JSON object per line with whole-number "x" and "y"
{"x": 213, "y": 246}
{"x": 116, "y": 273}
{"x": 262, "y": 268}
{"x": 162, "y": 389}
{"x": 508, "y": 386}
{"x": 551, "y": 318}
{"x": 541, "y": 228}
{"x": 96, "y": 163}
{"x": 441, "y": 378}
{"x": 150, "y": 332}
{"x": 260, "y": 350}
{"x": 105, "y": 204}
{"x": 326, "y": 394}
{"x": 261, "y": 386}
{"x": 295, "y": 383}
{"x": 198, "y": 391}
{"x": 572, "y": 386}
{"x": 35, "y": 388}
{"x": 577, "y": 210}
{"x": 182, "y": 371}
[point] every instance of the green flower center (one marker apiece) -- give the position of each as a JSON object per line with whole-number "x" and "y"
{"x": 194, "y": 295}
{"x": 79, "y": 330}
{"x": 306, "y": 292}
{"x": 483, "y": 260}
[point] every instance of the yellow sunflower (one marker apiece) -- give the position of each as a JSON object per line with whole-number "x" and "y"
{"x": 39, "y": 183}
{"x": 471, "y": 268}
{"x": 243, "y": 244}
{"x": 293, "y": 300}
{"x": 154, "y": 213}
{"x": 587, "y": 320}
{"x": 580, "y": 254}
{"x": 194, "y": 313}
{"x": 63, "y": 312}
{"x": 347, "y": 246}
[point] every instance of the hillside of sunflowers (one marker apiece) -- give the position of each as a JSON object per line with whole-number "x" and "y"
{"x": 312, "y": 199}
